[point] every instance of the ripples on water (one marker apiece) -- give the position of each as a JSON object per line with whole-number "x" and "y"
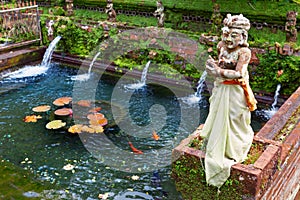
{"x": 45, "y": 152}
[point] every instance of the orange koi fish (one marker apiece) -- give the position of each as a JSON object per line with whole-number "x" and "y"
{"x": 134, "y": 150}
{"x": 155, "y": 136}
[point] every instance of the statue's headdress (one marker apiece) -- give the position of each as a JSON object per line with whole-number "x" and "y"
{"x": 237, "y": 21}
{"x": 291, "y": 14}
{"x": 216, "y": 6}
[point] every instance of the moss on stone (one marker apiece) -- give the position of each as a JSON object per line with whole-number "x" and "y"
{"x": 14, "y": 181}
{"x": 189, "y": 176}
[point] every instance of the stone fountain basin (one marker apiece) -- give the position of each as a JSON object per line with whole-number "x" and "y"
{"x": 276, "y": 172}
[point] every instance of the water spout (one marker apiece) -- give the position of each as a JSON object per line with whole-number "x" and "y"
{"x": 276, "y": 97}
{"x": 48, "y": 54}
{"x": 144, "y": 74}
{"x": 271, "y": 111}
{"x": 143, "y": 80}
{"x": 86, "y": 76}
{"x": 32, "y": 71}
{"x": 200, "y": 86}
{"x": 197, "y": 96}
{"x": 5, "y": 42}
{"x": 93, "y": 61}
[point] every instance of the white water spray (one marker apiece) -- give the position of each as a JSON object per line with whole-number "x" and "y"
{"x": 86, "y": 76}
{"x": 32, "y": 71}
{"x": 270, "y": 112}
{"x": 143, "y": 80}
{"x": 197, "y": 96}
{"x": 48, "y": 54}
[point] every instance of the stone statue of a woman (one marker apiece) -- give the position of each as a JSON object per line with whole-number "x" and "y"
{"x": 109, "y": 10}
{"x": 159, "y": 14}
{"x": 227, "y": 128}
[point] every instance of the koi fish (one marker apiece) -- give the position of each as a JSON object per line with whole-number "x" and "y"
{"x": 155, "y": 136}
{"x": 134, "y": 150}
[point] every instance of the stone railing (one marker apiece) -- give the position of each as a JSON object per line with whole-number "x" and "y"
{"x": 185, "y": 18}
{"x": 19, "y": 24}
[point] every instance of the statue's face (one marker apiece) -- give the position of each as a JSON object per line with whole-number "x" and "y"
{"x": 232, "y": 37}
{"x": 291, "y": 22}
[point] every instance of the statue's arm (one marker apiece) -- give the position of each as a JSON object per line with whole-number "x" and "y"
{"x": 213, "y": 68}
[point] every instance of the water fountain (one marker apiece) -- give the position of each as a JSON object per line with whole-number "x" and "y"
{"x": 32, "y": 71}
{"x": 86, "y": 76}
{"x": 142, "y": 82}
{"x": 197, "y": 96}
{"x": 271, "y": 111}
{"x": 5, "y": 42}
{"x": 48, "y": 54}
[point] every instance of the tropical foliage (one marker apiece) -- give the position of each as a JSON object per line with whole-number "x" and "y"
{"x": 276, "y": 69}
{"x": 82, "y": 32}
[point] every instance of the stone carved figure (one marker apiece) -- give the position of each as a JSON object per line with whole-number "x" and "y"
{"x": 49, "y": 27}
{"x": 159, "y": 14}
{"x": 227, "y": 128}
{"x": 290, "y": 26}
{"x": 216, "y": 19}
{"x": 109, "y": 10}
{"x": 69, "y": 7}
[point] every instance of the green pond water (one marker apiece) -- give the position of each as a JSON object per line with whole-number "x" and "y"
{"x": 44, "y": 152}
{"x": 102, "y": 163}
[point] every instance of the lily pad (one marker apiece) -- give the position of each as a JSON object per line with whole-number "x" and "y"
{"x": 101, "y": 122}
{"x": 32, "y": 118}
{"x": 43, "y": 108}
{"x": 63, "y": 112}
{"x": 95, "y": 116}
{"x": 55, "y": 124}
{"x": 97, "y": 129}
{"x": 84, "y": 103}
{"x": 77, "y": 128}
{"x": 62, "y": 101}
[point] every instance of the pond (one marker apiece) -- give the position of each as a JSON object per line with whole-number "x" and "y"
{"x": 45, "y": 152}
{"x": 99, "y": 163}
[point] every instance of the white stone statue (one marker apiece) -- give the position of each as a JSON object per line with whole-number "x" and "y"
{"x": 227, "y": 128}
{"x": 159, "y": 13}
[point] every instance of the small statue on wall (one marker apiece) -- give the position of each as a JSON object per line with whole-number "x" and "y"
{"x": 69, "y": 7}
{"x": 109, "y": 10}
{"x": 159, "y": 13}
{"x": 216, "y": 20}
{"x": 49, "y": 27}
{"x": 290, "y": 26}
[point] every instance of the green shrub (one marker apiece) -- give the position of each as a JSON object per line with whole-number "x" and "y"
{"x": 75, "y": 39}
{"x": 266, "y": 78}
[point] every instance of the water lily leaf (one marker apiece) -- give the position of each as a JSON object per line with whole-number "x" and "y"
{"x": 55, "y": 124}
{"x": 95, "y": 116}
{"x": 62, "y": 101}
{"x": 43, "y": 108}
{"x": 101, "y": 122}
{"x": 63, "y": 112}
{"x": 95, "y": 110}
{"x": 88, "y": 129}
{"x": 97, "y": 129}
{"x": 77, "y": 128}
{"x": 84, "y": 103}
{"x": 32, "y": 118}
